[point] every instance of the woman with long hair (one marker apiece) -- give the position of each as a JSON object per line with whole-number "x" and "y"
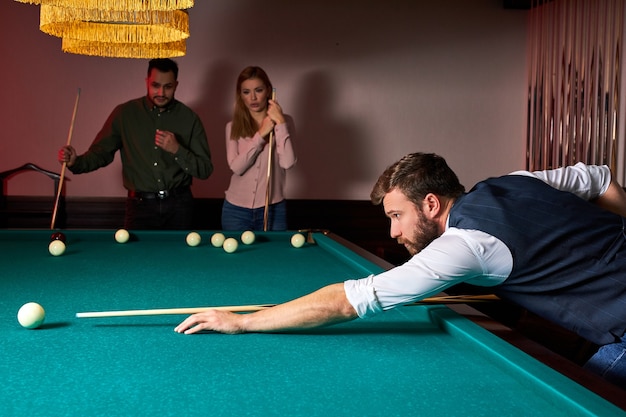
{"x": 257, "y": 116}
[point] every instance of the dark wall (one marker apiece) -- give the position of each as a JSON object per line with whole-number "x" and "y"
{"x": 360, "y": 222}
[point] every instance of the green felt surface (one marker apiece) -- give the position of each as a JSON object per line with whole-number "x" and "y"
{"x": 413, "y": 360}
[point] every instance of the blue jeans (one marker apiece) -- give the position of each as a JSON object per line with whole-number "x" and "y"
{"x": 241, "y": 218}
{"x": 610, "y": 363}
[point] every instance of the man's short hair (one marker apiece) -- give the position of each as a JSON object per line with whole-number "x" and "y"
{"x": 163, "y": 65}
{"x": 416, "y": 175}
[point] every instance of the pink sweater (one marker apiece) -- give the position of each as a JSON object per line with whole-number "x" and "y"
{"x": 248, "y": 158}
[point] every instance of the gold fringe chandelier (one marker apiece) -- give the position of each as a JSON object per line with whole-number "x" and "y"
{"x": 114, "y": 26}
{"x": 124, "y": 50}
{"x": 128, "y": 5}
{"x": 117, "y": 28}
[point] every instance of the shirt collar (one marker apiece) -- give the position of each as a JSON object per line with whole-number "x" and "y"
{"x": 150, "y": 106}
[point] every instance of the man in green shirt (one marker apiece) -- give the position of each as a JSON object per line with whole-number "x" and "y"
{"x": 162, "y": 145}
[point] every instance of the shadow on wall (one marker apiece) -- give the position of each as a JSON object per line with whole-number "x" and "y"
{"x": 215, "y": 110}
{"x": 330, "y": 149}
{"x": 331, "y": 153}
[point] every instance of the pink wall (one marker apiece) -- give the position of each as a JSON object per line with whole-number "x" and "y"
{"x": 366, "y": 81}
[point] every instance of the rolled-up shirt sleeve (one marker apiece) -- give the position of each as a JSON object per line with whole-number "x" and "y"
{"x": 456, "y": 256}
{"x": 460, "y": 255}
{"x": 586, "y": 181}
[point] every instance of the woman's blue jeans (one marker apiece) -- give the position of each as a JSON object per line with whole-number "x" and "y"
{"x": 241, "y": 218}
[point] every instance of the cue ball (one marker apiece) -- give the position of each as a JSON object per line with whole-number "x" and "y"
{"x": 230, "y": 245}
{"x": 297, "y": 240}
{"x": 217, "y": 239}
{"x": 248, "y": 237}
{"x": 31, "y": 315}
{"x": 58, "y": 236}
{"x": 193, "y": 239}
{"x": 56, "y": 248}
{"x": 122, "y": 236}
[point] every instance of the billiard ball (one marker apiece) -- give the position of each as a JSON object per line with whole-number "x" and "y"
{"x": 217, "y": 239}
{"x": 122, "y": 236}
{"x": 31, "y": 315}
{"x": 56, "y": 248}
{"x": 193, "y": 239}
{"x": 230, "y": 245}
{"x": 248, "y": 237}
{"x": 297, "y": 240}
{"x": 58, "y": 236}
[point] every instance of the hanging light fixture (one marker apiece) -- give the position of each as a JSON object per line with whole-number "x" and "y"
{"x": 92, "y": 25}
{"x": 117, "y": 28}
{"x": 125, "y": 50}
{"x": 108, "y": 5}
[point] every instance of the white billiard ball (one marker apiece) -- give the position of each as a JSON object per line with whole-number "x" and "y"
{"x": 248, "y": 237}
{"x": 56, "y": 248}
{"x": 217, "y": 239}
{"x": 297, "y": 240}
{"x": 193, "y": 239}
{"x": 230, "y": 245}
{"x": 122, "y": 236}
{"x": 31, "y": 315}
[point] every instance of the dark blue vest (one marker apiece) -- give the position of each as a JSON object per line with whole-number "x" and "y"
{"x": 569, "y": 256}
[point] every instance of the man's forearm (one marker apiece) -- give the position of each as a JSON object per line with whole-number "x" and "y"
{"x": 614, "y": 199}
{"x": 325, "y": 306}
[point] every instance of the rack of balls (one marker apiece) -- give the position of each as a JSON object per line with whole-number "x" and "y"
{"x": 57, "y": 244}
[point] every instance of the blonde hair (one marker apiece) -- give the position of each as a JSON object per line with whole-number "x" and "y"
{"x": 244, "y": 126}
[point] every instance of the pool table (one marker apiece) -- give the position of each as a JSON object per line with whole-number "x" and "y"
{"x": 417, "y": 360}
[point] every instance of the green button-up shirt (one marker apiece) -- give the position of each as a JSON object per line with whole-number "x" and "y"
{"x": 131, "y": 129}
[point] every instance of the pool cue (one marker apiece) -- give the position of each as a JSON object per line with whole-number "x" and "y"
{"x": 61, "y": 178}
{"x": 166, "y": 311}
{"x": 457, "y": 299}
{"x": 450, "y": 299}
{"x": 269, "y": 174}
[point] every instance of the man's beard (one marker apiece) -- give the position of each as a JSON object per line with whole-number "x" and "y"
{"x": 160, "y": 102}
{"x": 425, "y": 232}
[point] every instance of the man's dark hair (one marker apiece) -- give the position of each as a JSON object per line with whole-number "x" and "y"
{"x": 416, "y": 175}
{"x": 163, "y": 65}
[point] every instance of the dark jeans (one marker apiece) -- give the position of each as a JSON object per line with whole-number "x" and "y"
{"x": 610, "y": 363}
{"x": 174, "y": 212}
{"x": 241, "y": 218}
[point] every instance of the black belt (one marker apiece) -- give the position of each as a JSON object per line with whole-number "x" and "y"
{"x": 161, "y": 195}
